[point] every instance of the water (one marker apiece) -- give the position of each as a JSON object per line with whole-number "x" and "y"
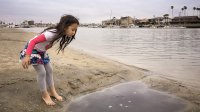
{"x": 127, "y": 97}
{"x": 172, "y": 52}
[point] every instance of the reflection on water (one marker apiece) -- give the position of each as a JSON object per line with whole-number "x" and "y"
{"x": 169, "y": 51}
{"x": 174, "y": 52}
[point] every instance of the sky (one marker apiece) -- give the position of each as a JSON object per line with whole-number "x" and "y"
{"x": 89, "y": 11}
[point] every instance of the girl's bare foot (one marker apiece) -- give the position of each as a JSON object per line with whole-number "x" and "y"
{"x": 58, "y": 97}
{"x": 47, "y": 99}
{"x": 53, "y": 93}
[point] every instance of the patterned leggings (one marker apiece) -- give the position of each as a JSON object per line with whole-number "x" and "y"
{"x": 45, "y": 76}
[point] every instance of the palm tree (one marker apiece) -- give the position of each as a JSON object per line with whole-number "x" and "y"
{"x": 198, "y": 9}
{"x": 185, "y": 8}
{"x": 114, "y": 21}
{"x": 166, "y": 16}
{"x": 172, "y": 7}
{"x": 182, "y": 9}
{"x": 194, "y": 8}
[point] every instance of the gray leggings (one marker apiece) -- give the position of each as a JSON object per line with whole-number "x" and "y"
{"x": 45, "y": 76}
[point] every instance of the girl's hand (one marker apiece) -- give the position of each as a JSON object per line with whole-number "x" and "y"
{"x": 26, "y": 62}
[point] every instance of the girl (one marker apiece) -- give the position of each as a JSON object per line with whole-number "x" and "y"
{"x": 35, "y": 54}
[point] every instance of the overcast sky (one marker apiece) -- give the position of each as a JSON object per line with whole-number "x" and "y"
{"x": 89, "y": 10}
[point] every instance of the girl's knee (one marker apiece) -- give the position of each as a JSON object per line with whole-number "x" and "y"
{"x": 42, "y": 73}
{"x": 49, "y": 70}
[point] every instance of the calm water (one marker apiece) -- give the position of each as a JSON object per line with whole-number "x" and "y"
{"x": 173, "y": 52}
{"x": 127, "y": 97}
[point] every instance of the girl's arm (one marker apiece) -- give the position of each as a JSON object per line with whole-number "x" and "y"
{"x": 33, "y": 42}
{"x": 31, "y": 45}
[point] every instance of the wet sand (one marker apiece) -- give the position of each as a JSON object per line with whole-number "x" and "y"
{"x": 75, "y": 73}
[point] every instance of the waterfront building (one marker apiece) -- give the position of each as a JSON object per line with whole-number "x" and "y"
{"x": 186, "y": 21}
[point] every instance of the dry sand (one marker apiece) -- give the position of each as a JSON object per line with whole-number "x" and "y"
{"x": 75, "y": 73}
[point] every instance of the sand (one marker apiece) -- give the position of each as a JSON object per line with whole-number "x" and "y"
{"x": 76, "y": 73}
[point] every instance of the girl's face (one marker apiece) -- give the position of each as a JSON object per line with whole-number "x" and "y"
{"x": 71, "y": 30}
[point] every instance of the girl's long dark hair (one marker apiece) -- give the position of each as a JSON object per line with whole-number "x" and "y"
{"x": 65, "y": 22}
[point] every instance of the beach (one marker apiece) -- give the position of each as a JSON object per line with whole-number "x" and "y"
{"x": 76, "y": 73}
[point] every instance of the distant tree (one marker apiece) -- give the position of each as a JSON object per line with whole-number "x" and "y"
{"x": 198, "y": 11}
{"x": 182, "y": 9}
{"x": 194, "y": 8}
{"x": 166, "y": 16}
{"x": 172, "y": 7}
{"x": 185, "y": 8}
{"x": 114, "y": 20}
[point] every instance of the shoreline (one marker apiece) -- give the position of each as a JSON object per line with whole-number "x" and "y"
{"x": 76, "y": 73}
